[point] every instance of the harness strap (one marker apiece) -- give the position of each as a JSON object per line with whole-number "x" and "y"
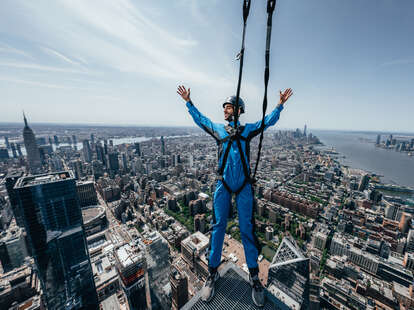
{"x": 271, "y": 4}
{"x": 246, "y": 9}
{"x": 232, "y": 135}
{"x": 243, "y": 159}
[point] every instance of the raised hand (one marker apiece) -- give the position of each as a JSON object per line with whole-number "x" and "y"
{"x": 185, "y": 94}
{"x": 285, "y": 95}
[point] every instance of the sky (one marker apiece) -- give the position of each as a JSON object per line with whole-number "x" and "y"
{"x": 350, "y": 63}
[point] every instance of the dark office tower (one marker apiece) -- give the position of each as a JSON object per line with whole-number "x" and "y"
{"x": 137, "y": 149}
{"x": 111, "y": 143}
{"x": 124, "y": 162}
{"x": 412, "y": 143}
{"x": 99, "y": 152}
{"x": 13, "y": 148}
{"x": 179, "y": 289}
{"x": 105, "y": 148}
{"x": 97, "y": 169}
{"x": 304, "y": 130}
{"x": 76, "y": 166}
{"x": 363, "y": 183}
{"x": 4, "y": 153}
{"x": 11, "y": 180}
{"x": 378, "y": 139}
{"x": 33, "y": 154}
{"x": 92, "y": 138}
{"x": 113, "y": 162}
{"x": 56, "y": 139}
{"x": 200, "y": 223}
{"x": 19, "y": 150}
{"x": 6, "y": 141}
{"x": 53, "y": 223}
{"x": 162, "y": 145}
{"x": 288, "y": 277}
{"x": 74, "y": 140}
{"x": 87, "y": 152}
{"x": 50, "y": 141}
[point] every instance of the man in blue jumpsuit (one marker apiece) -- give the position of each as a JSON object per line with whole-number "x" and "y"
{"x": 234, "y": 179}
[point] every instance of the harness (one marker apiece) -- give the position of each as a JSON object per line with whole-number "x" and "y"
{"x": 234, "y": 134}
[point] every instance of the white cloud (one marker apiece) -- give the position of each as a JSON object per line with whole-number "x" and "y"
{"x": 22, "y": 65}
{"x": 38, "y": 84}
{"x": 60, "y": 56}
{"x": 115, "y": 35}
{"x": 4, "y": 48}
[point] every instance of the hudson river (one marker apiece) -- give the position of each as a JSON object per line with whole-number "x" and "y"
{"x": 360, "y": 152}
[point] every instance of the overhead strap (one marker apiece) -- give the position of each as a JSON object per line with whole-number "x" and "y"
{"x": 271, "y": 4}
{"x": 246, "y": 9}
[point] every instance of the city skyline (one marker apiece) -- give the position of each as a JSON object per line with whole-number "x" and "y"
{"x": 129, "y": 221}
{"x": 121, "y": 63}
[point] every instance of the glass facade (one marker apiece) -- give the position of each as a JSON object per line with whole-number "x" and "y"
{"x": 53, "y": 221}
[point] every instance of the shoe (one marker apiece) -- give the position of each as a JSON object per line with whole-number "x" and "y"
{"x": 207, "y": 292}
{"x": 258, "y": 294}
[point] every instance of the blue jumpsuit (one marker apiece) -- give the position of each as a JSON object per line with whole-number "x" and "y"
{"x": 234, "y": 177}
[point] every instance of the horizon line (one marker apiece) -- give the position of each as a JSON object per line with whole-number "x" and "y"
{"x": 62, "y": 124}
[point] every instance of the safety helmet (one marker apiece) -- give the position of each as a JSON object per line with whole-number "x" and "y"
{"x": 232, "y": 100}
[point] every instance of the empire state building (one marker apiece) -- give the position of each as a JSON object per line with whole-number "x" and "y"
{"x": 33, "y": 154}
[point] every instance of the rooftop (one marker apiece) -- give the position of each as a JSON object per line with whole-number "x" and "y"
{"x": 103, "y": 270}
{"x": 197, "y": 241}
{"x": 127, "y": 256}
{"x": 40, "y": 179}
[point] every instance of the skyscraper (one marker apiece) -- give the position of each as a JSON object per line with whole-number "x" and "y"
{"x": 304, "y": 130}
{"x": 179, "y": 288}
{"x": 19, "y": 150}
{"x": 288, "y": 277}
{"x": 113, "y": 162}
{"x": 56, "y": 139}
{"x": 33, "y": 154}
{"x": 100, "y": 153}
{"x": 74, "y": 140}
{"x": 6, "y": 141}
{"x": 53, "y": 222}
{"x": 87, "y": 152}
{"x": 13, "y": 148}
{"x": 124, "y": 162}
{"x": 137, "y": 149}
{"x": 363, "y": 183}
{"x": 162, "y": 145}
{"x": 378, "y": 139}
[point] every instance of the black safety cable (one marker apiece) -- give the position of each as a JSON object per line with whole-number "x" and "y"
{"x": 246, "y": 9}
{"x": 271, "y": 4}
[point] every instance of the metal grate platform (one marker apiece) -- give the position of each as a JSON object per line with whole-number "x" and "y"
{"x": 233, "y": 291}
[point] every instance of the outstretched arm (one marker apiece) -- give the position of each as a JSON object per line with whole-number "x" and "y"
{"x": 273, "y": 117}
{"x": 202, "y": 121}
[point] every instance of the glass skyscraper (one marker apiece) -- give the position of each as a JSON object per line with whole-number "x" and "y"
{"x": 52, "y": 217}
